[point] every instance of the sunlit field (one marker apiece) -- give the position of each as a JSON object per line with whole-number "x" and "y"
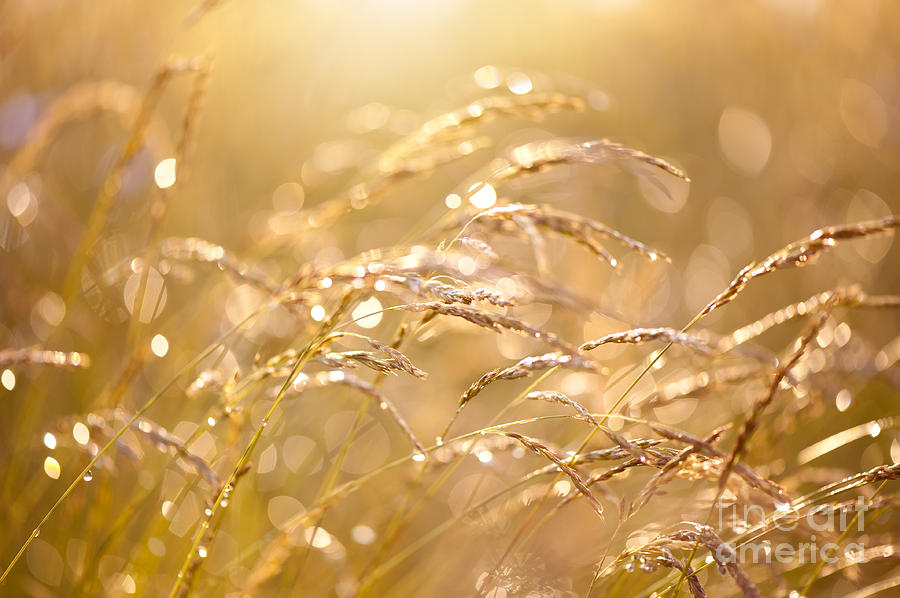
{"x": 500, "y": 299}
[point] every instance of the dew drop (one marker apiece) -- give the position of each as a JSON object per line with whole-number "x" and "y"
{"x": 88, "y": 476}
{"x": 418, "y": 457}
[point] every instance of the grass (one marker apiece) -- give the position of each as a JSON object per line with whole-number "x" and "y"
{"x": 439, "y": 413}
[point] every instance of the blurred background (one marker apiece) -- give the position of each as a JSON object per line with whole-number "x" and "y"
{"x": 785, "y": 114}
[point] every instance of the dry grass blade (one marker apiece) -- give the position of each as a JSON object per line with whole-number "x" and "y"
{"x": 207, "y": 540}
{"x": 36, "y": 356}
{"x": 844, "y": 437}
{"x": 451, "y": 294}
{"x": 543, "y": 450}
{"x": 800, "y": 253}
{"x": 752, "y": 421}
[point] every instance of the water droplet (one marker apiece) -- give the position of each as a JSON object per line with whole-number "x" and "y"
{"x": 202, "y": 552}
{"x": 418, "y": 457}
{"x": 88, "y": 476}
{"x": 211, "y": 421}
{"x": 8, "y": 379}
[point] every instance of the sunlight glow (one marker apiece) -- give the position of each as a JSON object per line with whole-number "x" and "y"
{"x": 368, "y": 306}
{"x": 159, "y": 345}
{"x": 164, "y": 175}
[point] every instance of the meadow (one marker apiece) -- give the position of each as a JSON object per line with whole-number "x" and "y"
{"x": 482, "y": 298}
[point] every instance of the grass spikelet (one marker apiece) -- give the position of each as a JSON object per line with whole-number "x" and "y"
{"x": 640, "y": 335}
{"x": 340, "y": 378}
{"x": 199, "y": 250}
{"x": 450, "y": 125}
{"x": 578, "y": 228}
{"x": 540, "y": 155}
{"x": 543, "y": 450}
{"x": 553, "y": 396}
{"x": 705, "y": 447}
{"x": 495, "y": 322}
{"x": 525, "y": 367}
{"x": 105, "y": 425}
{"x": 852, "y": 297}
{"x": 451, "y": 294}
{"x": 669, "y": 470}
{"x": 800, "y": 253}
